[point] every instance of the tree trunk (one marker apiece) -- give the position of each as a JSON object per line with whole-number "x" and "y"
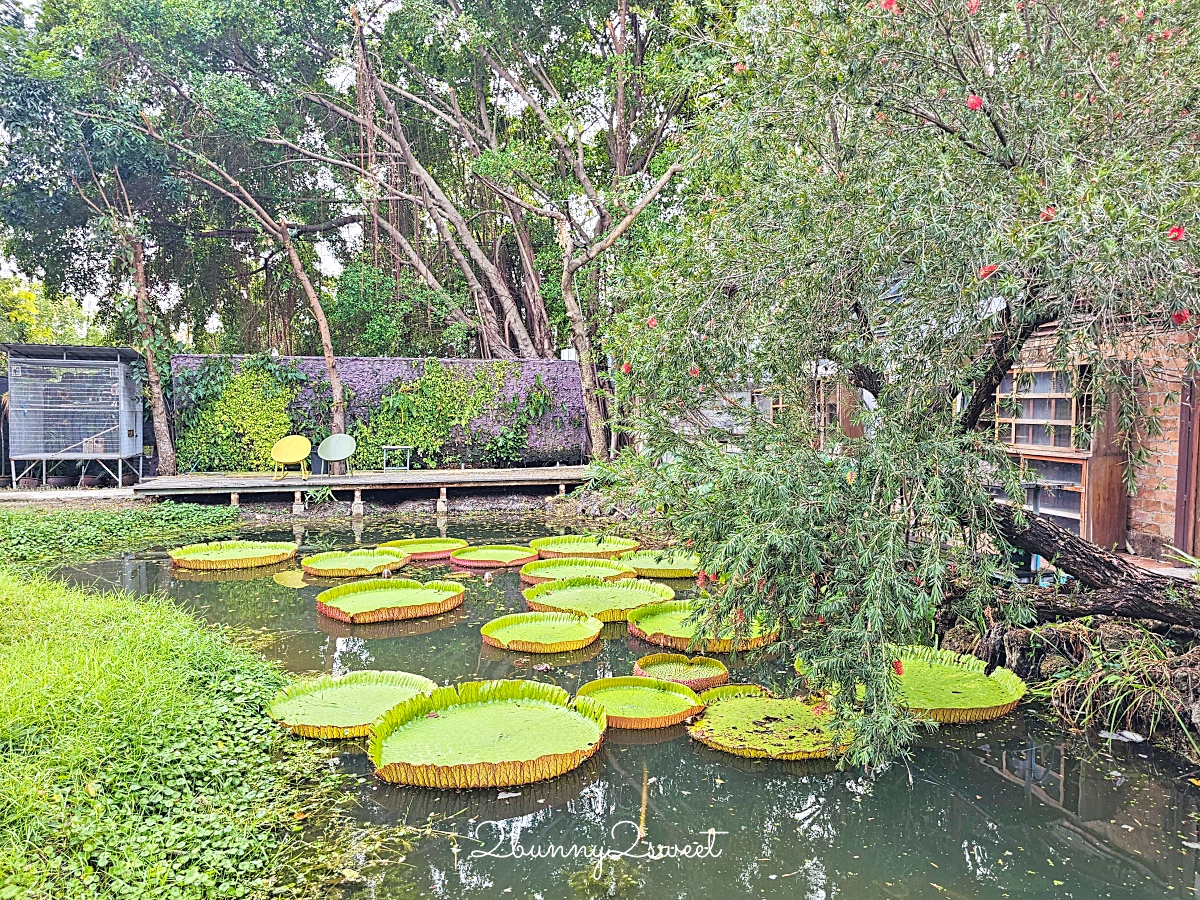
{"x": 596, "y": 425}
{"x": 158, "y": 405}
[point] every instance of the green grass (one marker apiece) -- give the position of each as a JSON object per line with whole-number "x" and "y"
{"x": 136, "y": 759}
{"x": 36, "y": 535}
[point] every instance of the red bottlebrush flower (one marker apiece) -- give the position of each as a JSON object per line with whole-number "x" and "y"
{"x": 626, "y": 368}
{"x": 1103, "y": 21}
{"x": 820, "y": 620}
{"x": 1176, "y": 232}
{"x": 1140, "y": 13}
{"x": 974, "y": 102}
{"x": 972, "y": 7}
{"x": 694, "y": 371}
{"x": 985, "y": 272}
{"x": 652, "y": 322}
{"x": 1166, "y": 35}
{"x": 739, "y": 616}
{"x": 897, "y": 667}
{"x": 739, "y": 69}
{"x": 889, "y": 5}
{"x": 821, "y": 708}
{"x": 1181, "y": 316}
{"x": 1049, "y": 213}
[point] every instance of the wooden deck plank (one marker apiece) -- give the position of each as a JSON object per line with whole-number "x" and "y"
{"x": 264, "y": 482}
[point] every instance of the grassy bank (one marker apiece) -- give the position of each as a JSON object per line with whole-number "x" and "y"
{"x": 136, "y": 759}
{"x": 37, "y": 535}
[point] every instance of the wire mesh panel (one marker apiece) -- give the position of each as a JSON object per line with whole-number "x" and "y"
{"x": 73, "y": 410}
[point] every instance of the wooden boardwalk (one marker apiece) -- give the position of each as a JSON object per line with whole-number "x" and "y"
{"x": 234, "y": 484}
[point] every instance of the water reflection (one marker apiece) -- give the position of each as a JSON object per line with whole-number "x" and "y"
{"x": 1016, "y": 808}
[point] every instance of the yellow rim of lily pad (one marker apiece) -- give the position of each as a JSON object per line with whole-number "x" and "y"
{"x": 447, "y": 596}
{"x": 219, "y": 555}
{"x": 582, "y": 546}
{"x": 542, "y": 632}
{"x": 427, "y": 547}
{"x": 454, "y": 737}
{"x": 696, "y": 672}
{"x": 503, "y": 556}
{"x": 608, "y": 601}
{"x": 562, "y": 568}
{"x": 955, "y": 689}
{"x": 672, "y": 563}
{"x": 635, "y": 702}
{"x": 349, "y": 563}
{"x": 647, "y": 623}
{"x": 343, "y": 707}
{"x": 768, "y": 728}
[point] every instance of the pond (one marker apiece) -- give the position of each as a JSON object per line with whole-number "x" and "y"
{"x": 1018, "y": 808}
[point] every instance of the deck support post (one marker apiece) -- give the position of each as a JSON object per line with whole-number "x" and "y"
{"x": 356, "y": 508}
{"x": 442, "y": 506}
{"x": 562, "y": 489}
{"x": 297, "y": 504}
{"x": 233, "y": 499}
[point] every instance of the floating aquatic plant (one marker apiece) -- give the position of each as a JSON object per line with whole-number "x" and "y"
{"x": 348, "y": 563}
{"x": 670, "y": 625}
{"x": 698, "y": 672}
{"x": 582, "y": 546}
{"x": 634, "y": 702}
{"x": 486, "y": 734}
{"x": 428, "y": 547}
{"x": 232, "y": 554}
{"x": 388, "y": 600}
{"x": 730, "y": 691}
{"x": 952, "y": 688}
{"x": 591, "y": 596}
{"x": 345, "y": 707}
{"x": 493, "y": 556}
{"x": 544, "y": 570}
{"x": 662, "y": 563}
{"x": 764, "y": 727}
{"x": 542, "y": 632}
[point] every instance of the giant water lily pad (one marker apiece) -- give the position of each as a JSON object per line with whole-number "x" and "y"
{"x": 698, "y": 672}
{"x": 607, "y": 601}
{"x": 730, "y": 691}
{"x": 388, "y": 600}
{"x": 427, "y": 548}
{"x": 948, "y": 687}
{"x": 541, "y": 632}
{"x": 561, "y": 569}
{"x": 662, "y": 563}
{"x": 232, "y": 554}
{"x": 767, "y": 728}
{"x": 633, "y": 702}
{"x": 349, "y": 563}
{"x": 344, "y": 707}
{"x": 493, "y": 556}
{"x": 486, "y": 734}
{"x": 668, "y": 625}
{"x": 582, "y": 546}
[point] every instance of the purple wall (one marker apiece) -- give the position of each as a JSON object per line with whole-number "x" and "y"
{"x": 559, "y": 436}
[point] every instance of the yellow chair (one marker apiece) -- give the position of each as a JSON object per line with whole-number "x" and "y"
{"x": 291, "y": 451}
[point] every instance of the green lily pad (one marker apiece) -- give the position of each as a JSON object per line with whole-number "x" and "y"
{"x": 607, "y": 601}
{"x": 948, "y": 687}
{"x": 348, "y": 563}
{"x": 486, "y": 734}
{"x": 588, "y": 546}
{"x": 698, "y": 672}
{"x": 662, "y": 563}
{"x": 344, "y": 707}
{"x": 493, "y": 556}
{"x": 388, "y": 600}
{"x": 667, "y": 625}
{"x": 544, "y": 570}
{"x": 232, "y": 554}
{"x": 541, "y": 632}
{"x": 764, "y": 727}
{"x": 428, "y": 547}
{"x": 730, "y": 691}
{"x": 633, "y": 702}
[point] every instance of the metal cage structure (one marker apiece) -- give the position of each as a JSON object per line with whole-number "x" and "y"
{"x": 73, "y": 404}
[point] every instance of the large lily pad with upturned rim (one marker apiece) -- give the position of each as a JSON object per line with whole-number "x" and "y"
{"x": 948, "y": 687}
{"x": 662, "y": 563}
{"x": 345, "y": 707}
{"x": 544, "y": 570}
{"x": 493, "y": 556}
{"x": 232, "y": 554}
{"x": 349, "y": 563}
{"x": 633, "y": 702}
{"x": 427, "y": 547}
{"x": 697, "y": 672}
{"x": 730, "y": 691}
{"x": 486, "y": 734}
{"x": 668, "y": 625}
{"x": 769, "y": 728}
{"x": 388, "y": 600}
{"x": 582, "y": 546}
{"x": 541, "y": 632}
{"x": 608, "y": 601}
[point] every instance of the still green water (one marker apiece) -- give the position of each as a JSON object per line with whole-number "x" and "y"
{"x": 1018, "y": 808}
